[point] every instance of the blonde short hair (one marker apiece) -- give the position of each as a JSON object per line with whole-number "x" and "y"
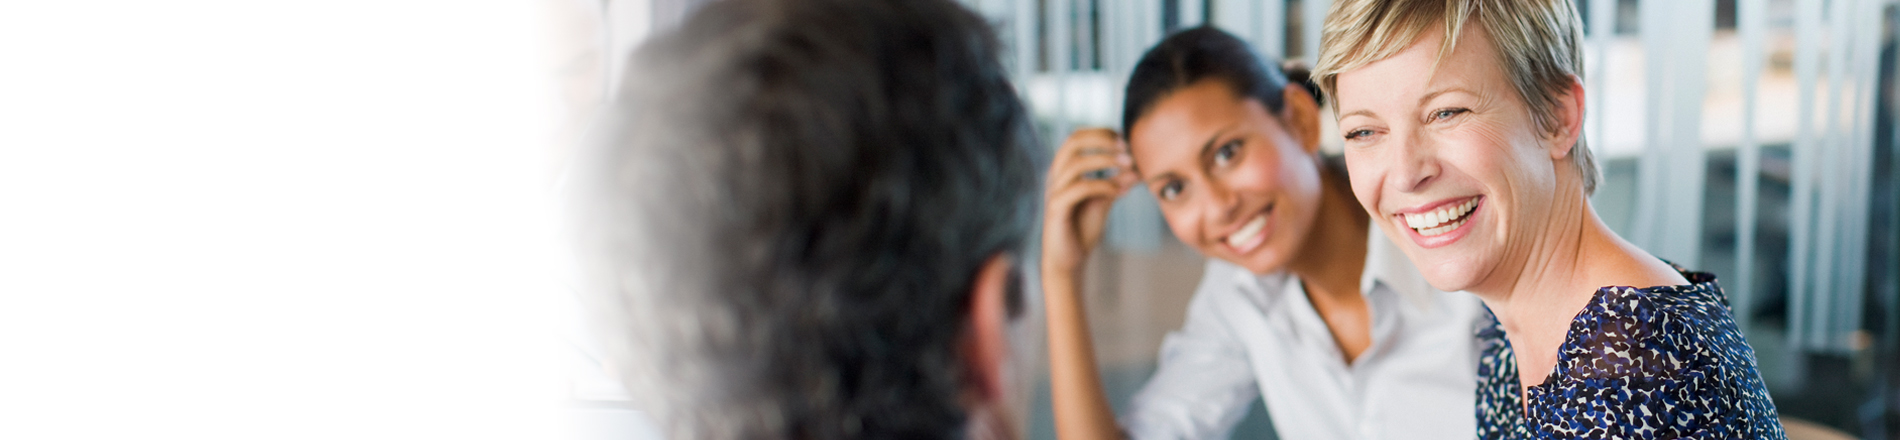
{"x": 1538, "y": 44}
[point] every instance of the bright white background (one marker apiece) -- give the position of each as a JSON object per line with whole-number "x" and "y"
{"x": 285, "y": 220}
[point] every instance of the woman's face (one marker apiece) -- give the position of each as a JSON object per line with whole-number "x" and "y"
{"x": 1450, "y": 163}
{"x": 1231, "y": 179}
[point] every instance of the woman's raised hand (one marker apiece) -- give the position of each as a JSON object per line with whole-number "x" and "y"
{"x": 1090, "y": 171}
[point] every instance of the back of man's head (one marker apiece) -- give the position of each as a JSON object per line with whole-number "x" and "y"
{"x": 784, "y": 221}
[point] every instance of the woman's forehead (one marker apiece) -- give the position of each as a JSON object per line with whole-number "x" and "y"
{"x": 1421, "y": 72}
{"x": 1182, "y": 126}
{"x": 1191, "y": 108}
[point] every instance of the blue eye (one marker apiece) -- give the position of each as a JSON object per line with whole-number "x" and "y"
{"x": 1448, "y": 113}
{"x": 1358, "y": 134}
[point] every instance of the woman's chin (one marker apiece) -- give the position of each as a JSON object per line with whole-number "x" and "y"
{"x": 1260, "y": 261}
{"x": 1450, "y": 277}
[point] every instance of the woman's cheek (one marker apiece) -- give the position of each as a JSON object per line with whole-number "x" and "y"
{"x": 1364, "y": 176}
{"x": 1261, "y": 173}
{"x": 1184, "y": 227}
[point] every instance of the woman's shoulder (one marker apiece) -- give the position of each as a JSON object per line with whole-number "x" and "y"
{"x": 1220, "y": 276}
{"x": 1697, "y": 308}
{"x": 1679, "y": 322}
{"x": 1225, "y": 285}
{"x": 1675, "y": 336}
{"x": 1668, "y": 350}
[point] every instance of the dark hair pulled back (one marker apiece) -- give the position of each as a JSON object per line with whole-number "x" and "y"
{"x": 1190, "y": 56}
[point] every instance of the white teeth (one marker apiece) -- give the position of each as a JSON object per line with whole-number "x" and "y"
{"x": 1434, "y": 223}
{"x": 1441, "y": 229}
{"x": 1247, "y": 233}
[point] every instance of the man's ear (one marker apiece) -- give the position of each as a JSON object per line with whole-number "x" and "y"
{"x": 985, "y": 345}
{"x": 1302, "y": 117}
{"x": 1567, "y": 113}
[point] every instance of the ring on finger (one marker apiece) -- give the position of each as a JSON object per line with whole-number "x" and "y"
{"x": 1101, "y": 173}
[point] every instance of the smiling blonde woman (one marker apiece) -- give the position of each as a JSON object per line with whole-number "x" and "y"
{"x": 1462, "y": 122}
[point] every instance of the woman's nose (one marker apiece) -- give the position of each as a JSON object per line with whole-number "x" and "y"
{"x": 1415, "y": 163}
{"x": 1221, "y": 202}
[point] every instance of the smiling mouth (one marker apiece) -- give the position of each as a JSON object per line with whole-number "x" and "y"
{"x": 1250, "y": 235}
{"x": 1441, "y": 220}
{"x": 1241, "y": 238}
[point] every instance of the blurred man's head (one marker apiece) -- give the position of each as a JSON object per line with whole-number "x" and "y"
{"x": 804, "y": 219}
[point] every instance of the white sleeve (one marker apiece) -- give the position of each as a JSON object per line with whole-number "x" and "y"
{"x": 1203, "y": 383}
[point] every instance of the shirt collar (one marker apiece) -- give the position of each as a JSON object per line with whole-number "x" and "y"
{"x": 1386, "y": 264}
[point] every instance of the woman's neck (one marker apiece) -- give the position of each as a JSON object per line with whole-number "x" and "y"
{"x": 1561, "y": 270}
{"x": 1539, "y": 301}
{"x": 1333, "y": 255}
{"x": 1329, "y": 264}
{"x": 1557, "y": 274}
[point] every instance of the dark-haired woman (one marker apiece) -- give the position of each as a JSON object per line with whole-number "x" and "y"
{"x": 1302, "y": 305}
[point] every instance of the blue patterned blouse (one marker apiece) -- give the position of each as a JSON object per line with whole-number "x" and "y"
{"x": 1654, "y": 363}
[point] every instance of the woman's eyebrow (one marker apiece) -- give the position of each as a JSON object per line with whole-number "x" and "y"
{"x": 1208, "y": 147}
{"x": 1360, "y": 112}
{"x": 1428, "y": 96}
{"x": 1163, "y": 177}
{"x": 1421, "y": 102}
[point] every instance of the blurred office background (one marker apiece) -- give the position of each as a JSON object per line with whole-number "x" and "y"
{"x": 1776, "y": 117}
{"x": 231, "y": 219}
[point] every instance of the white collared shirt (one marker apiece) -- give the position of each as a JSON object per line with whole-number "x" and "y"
{"x": 1257, "y": 336}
